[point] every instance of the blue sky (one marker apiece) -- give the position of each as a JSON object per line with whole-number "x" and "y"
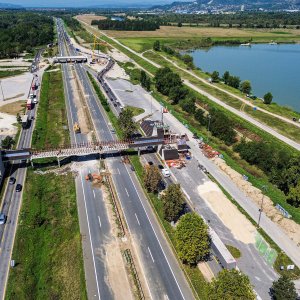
{"x": 77, "y": 3}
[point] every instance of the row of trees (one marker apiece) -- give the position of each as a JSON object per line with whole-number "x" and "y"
{"x": 145, "y": 80}
{"x": 23, "y": 31}
{"x": 128, "y": 25}
{"x": 192, "y": 239}
{"x": 282, "y": 169}
{"x": 235, "y": 82}
{"x": 170, "y": 84}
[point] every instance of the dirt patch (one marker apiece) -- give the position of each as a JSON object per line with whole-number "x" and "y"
{"x": 7, "y": 125}
{"x": 89, "y": 18}
{"x": 206, "y": 271}
{"x": 119, "y": 56}
{"x": 231, "y": 217}
{"x": 291, "y": 228}
{"x": 117, "y": 72}
{"x": 13, "y": 108}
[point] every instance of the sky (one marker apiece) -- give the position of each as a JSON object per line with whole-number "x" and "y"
{"x": 80, "y": 3}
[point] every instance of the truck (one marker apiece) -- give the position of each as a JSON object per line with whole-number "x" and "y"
{"x": 24, "y": 121}
{"x": 29, "y": 104}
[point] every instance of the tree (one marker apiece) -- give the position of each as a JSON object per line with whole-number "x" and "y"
{"x": 143, "y": 78}
{"x": 192, "y": 239}
{"x": 215, "y": 76}
{"x": 152, "y": 178}
{"x": 156, "y": 46}
{"x": 283, "y": 289}
{"x": 179, "y": 24}
{"x": 126, "y": 123}
{"x": 226, "y": 77}
{"x": 173, "y": 202}
{"x": 188, "y": 60}
{"x": 165, "y": 80}
{"x": 7, "y": 142}
{"x": 293, "y": 196}
{"x": 231, "y": 284}
{"x": 188, "y": 105}
{"x": 246, "y": 87}
{"x": 177, "y": 93}
{"x": 234, "y": 81}
{"x": 147, "y": 83}
{"x": 268, "y": 97}
{"x": 200, "y": 117}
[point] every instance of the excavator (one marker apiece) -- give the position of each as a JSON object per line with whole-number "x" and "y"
{"x": 76, "y": 128}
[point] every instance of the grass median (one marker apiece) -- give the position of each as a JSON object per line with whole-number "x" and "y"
{"x": 47, "y": 248}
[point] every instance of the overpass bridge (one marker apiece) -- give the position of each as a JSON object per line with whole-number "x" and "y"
{"x": 83, "y": 149}
{"x": 70, "y": 59}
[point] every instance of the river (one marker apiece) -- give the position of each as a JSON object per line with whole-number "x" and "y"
{"x": 274, "y": 68}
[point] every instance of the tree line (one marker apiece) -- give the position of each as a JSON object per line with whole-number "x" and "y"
{"x": 23, "y": 31}
{"x": 128, "y": 25}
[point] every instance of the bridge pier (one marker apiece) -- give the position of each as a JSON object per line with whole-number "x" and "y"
{"x": 58, "y": 161}
{"x": 139, "y": 152}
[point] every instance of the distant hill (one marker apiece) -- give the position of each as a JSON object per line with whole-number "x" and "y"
{"x": 230, "y": 4}
{"x": 8, "y": 5}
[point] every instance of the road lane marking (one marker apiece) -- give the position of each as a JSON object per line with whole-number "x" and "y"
{"x": 150, "y": 254}
{"x": 94, "y": 194}
{"x": 88, "y": 223}
{"x": 99, "y": 221}
{"x": 127, "y": 192}
{"x": 119, "y": 171}
{"x": 137, "y": 220}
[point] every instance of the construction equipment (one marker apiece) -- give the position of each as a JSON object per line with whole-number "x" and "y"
{"x": 95, "y": 44}
{"x": 76, "y": 128}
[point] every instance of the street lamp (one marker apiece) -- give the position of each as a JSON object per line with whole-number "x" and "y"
{"x": 264, "y": 190}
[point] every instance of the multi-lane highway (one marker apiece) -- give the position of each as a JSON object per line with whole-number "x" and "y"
{"x": 12, "y": 199}
{"x": 162, "y": 274}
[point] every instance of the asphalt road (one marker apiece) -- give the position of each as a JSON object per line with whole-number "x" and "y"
{"x": 12, "y": 200}
{"x": 94, "y": 225}
{"x": 162, "y": 273}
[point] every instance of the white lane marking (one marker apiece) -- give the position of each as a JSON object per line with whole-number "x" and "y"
{"x": 94, "y": 194}
{"x": 88, "y": 223}
{"x": 119, "y": 171}
{"x": 127, "y": 192}
{"x": 137, "y": 220}
{"x": 156, "y": 235}
{"x": 99, "y": 221}
{"x": 150, "y": 254}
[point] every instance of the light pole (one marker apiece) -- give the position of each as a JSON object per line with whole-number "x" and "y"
{"x": 208, "y": 126}
{"x": 264, "y": 189}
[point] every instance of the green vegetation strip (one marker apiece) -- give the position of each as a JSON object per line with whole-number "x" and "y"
{"x": 235, "y": 252}
{"x": 51, "y": 129}
{"x": 47, "y": 248}
{"x": 10, "y": 73}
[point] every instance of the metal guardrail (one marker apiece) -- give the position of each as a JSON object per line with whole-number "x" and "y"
{"x": 137, "y": 282}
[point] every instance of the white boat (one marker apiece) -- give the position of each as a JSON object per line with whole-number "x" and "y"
{"x": 273, "y": 43}
{"x": 246, "y": 44}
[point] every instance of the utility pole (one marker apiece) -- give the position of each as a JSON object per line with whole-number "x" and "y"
{"x": 264, "y": 189}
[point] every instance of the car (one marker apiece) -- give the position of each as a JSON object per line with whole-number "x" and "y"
{"x": 19, "y": 187}
{"x": 166, "y": 172}
{"x": 132, "y": 168}
{"x": 161, "y": 185}
{"x": 12, "y": 180}
{"x": 2, "y": 219}
{"x": 32, "y": 96}
{"x": 150, "y": 148}
{"x": 150, "y": 163}
{"x": 35, "y": 101}
{"x": 160, "y": 167}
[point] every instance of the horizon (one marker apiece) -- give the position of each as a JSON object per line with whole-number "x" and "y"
{"x": 87, "y": 3}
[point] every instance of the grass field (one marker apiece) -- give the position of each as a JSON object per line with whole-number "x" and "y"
{"x": 51, "y": 128}
{"x": 47, "y": 248}
{"x": 5, "y": 74}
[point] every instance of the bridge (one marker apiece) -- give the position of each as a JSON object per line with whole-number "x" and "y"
{"x": 83, "y": 149}
{"x": 72, "y": 59}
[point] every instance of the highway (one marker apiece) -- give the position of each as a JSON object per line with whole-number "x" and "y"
{"x": 162, "y": 273}
{"x": 90, "y": 202}
{"x": 12, "y": 200}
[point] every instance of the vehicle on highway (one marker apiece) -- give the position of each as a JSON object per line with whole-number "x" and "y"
{"x": 29, "y": 104}
{"x": 166, "y": 172}
{"x": 12, "y": 180}
{"x": 2, "y": 219}
{"x": 24, "y": 121}
{"x": 32, "y": 96}
{"x": 35, "y": 101}
{"x": 19, "y": 187}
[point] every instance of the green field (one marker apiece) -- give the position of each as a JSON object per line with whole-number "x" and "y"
{"x": 51, "y": 129}
{"x": 10, "y": 73}
{"x": 47, "y": 249}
